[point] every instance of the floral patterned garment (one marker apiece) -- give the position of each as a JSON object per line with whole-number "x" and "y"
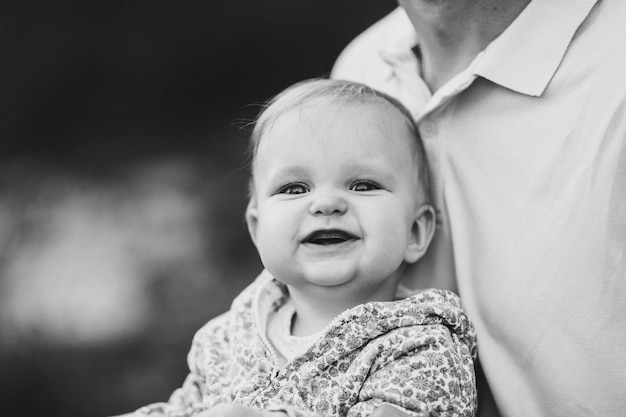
{"x": 415, "y": 354}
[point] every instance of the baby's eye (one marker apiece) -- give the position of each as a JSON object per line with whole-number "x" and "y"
{"x": 364, "y": 185}
{"x": 293, "y": 188}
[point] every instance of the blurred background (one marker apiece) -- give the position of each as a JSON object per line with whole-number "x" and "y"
{"x": 123, "y": 182}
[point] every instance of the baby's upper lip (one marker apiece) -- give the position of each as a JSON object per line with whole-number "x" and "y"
{"x": 329, "y": 237}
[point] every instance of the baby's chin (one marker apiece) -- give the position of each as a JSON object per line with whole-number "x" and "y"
{"x": 331, "y": 279}
{"x": 348, "y": 282}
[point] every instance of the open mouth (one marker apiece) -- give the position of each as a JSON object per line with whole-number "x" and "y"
{"x": 329, "y": 237}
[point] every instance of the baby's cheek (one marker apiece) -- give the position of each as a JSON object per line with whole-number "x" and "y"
{"x": 394, "y": 240}
{"x": 275, "y": 251}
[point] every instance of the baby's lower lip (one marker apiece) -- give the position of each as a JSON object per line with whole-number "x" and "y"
{"x": 330, "y": 241}
{"x": 330, "y": 244}
{"x": 329, "y": 238}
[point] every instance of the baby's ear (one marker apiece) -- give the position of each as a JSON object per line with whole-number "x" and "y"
{"x": 422, "y": 233}
{"x": 252, "y": 218}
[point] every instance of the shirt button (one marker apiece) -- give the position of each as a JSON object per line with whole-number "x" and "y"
{"x": 428, "y": 128}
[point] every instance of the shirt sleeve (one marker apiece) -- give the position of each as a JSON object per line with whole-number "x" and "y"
{"x": 362, "y": 60}
{"x": 187, "y": 401}
{"x": 431, "y": 375}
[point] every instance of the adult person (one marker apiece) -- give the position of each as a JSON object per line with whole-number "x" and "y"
{"x": 522, "y": 106}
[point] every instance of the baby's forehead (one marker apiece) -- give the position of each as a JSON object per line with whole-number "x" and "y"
{"x": 332, "y": 120}
{"x": 326, "y": 114}
{"x": 373, "y": 110}
{"x": 334, "y": 109}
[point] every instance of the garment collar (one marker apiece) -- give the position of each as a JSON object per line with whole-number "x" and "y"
{"x": 525, "y": 57}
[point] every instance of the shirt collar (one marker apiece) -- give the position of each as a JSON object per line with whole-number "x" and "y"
{"x": 399, "y": 46}
{"x": 525, "y": 57}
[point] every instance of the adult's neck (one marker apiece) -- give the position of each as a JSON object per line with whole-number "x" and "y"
{"x": 453, "y": 32}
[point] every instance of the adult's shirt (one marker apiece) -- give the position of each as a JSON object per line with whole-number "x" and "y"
{"x": 527, "y": 148}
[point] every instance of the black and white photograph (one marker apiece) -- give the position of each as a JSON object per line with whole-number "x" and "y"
{"x": 386, "y": 208}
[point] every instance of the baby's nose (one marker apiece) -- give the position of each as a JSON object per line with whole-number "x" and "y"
{"x": 328, "y": 204}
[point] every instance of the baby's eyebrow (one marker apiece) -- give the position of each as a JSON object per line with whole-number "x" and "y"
{"x": 286, "y": 174}
{"x": 369, "y": 168}
{"x": 291, "y": 170}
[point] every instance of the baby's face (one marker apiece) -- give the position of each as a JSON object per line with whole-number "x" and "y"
{"x": 335, "y": 192}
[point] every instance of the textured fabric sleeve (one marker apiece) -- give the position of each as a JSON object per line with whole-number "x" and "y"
{"x": 187, "y": 401}
{"x": 366, "y": 408}
{"x": 291, "y": 411}
{"x": 432, "y": 374}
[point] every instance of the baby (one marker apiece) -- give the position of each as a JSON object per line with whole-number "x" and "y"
{"x": 339, "y": 204}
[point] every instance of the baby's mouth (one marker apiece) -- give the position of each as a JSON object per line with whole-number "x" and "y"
{"x": 329, "y": 237}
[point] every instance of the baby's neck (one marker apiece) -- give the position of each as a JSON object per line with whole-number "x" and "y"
{"x": 309, "y": 320}
{"x": 314, "y": 312}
